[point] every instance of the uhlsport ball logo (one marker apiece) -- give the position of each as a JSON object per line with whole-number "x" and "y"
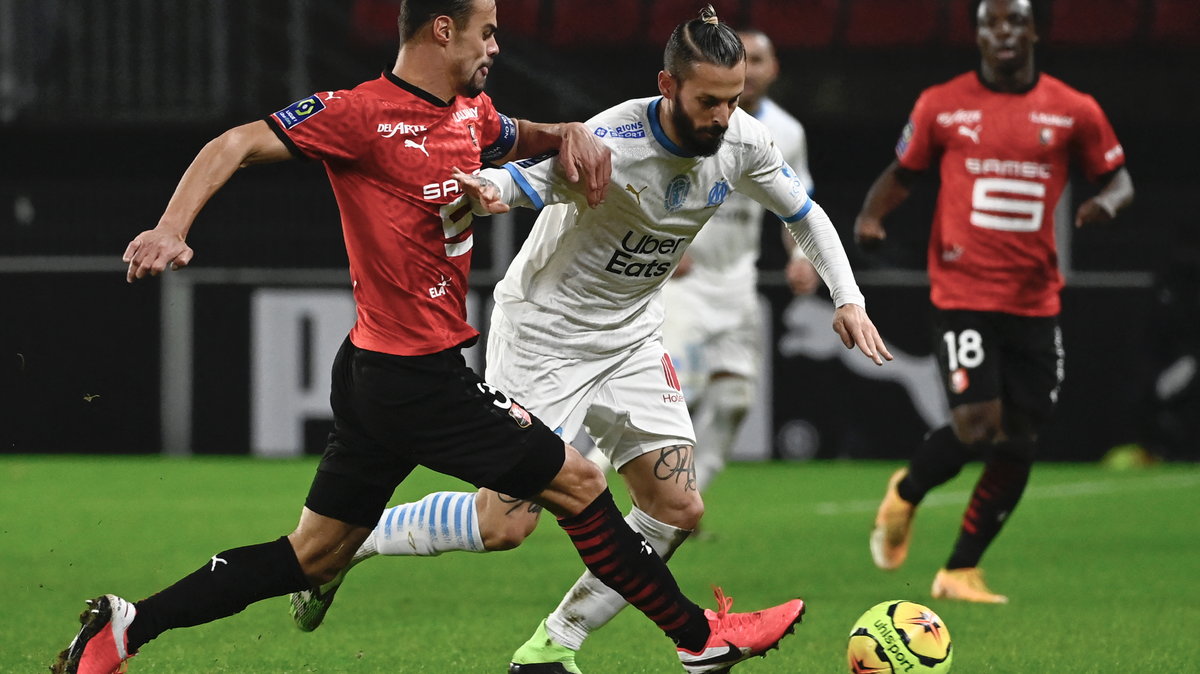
{"x": 896, "y": 637}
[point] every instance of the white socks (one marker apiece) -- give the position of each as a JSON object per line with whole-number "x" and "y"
{"x": 440, "y": 522}
{"x": 720, "y": 414}
{"x": 590, "y": 604}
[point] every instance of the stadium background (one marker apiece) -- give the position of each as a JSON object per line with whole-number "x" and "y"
{"x": 102, "y": 106}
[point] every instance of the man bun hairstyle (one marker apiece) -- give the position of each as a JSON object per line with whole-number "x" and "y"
{"x": 414, "y": 14}
{"x": 704, "y": 39}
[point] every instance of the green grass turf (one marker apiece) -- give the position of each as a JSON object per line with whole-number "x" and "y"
{"x": 1101, "y": 568}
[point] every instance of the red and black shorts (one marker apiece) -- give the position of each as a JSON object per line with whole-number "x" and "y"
{"x": 393, "y": 413}
{"x": 986, "y": 355}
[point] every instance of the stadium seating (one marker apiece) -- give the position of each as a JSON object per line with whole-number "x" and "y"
{"x": 374, "y": 21}
{"x": 519, "y": 17}
{"x": 587, "y": 23}
{"x": 891, "y": 23}
{"x": 815, "y": 24}
{"x": 1176, "y": 22}
{"x": 799, "y": 24}
{"x": 960, "y": 27}
{"x": 1094, "y": 22}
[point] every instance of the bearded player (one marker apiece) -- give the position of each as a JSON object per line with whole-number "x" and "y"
{"x": 575, "y": 334}
{"x": 714, "y": 321}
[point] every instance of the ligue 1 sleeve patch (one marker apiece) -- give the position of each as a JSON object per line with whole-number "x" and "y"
{"x": 906, "y": 136}
{"x": 299, "y": 111}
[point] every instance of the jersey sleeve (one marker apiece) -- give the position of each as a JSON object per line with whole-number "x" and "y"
{"x": 916, "y": 147}
{"x": 799, "y": 159}
{"x": 1095, "y": 143}
{"x": 499, "y": 132}
{"x": 327, "y": 125}
{"x": 533, "y": 183}
{"x": 770, "y": 181}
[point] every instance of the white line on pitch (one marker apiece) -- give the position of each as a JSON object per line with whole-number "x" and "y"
{"x": 1065, "y": 490}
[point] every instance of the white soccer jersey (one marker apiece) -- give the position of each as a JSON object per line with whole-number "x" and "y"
{"x": 585, "y": 283}
{"x": 725, "y": 252}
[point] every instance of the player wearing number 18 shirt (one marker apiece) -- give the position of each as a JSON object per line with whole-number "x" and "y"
{"x": 1002, "y": 140}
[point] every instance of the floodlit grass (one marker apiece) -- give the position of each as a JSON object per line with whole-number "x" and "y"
{"x": 1100, "y": 566}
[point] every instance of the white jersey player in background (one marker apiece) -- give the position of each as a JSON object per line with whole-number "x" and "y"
{"x": 714, "y": 320}
{"x": 575, "y": 334}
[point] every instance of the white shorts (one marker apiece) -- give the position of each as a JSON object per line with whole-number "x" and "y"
{"x": 629, "y": 404}
{"x": 704, "y": 338}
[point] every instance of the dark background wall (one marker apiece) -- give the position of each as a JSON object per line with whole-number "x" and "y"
{"x": 93, "y": 137}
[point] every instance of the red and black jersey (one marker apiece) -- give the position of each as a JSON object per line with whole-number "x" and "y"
{"x": 389, "y": 148}
{"x": 1003, "y": 161}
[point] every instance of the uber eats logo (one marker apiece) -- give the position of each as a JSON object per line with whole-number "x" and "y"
{"x": 643, "y": 255}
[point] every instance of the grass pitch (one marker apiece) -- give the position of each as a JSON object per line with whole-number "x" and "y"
{"x": 1101, "y": 568}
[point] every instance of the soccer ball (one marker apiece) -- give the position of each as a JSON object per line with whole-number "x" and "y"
{"x": 898, "y": 637}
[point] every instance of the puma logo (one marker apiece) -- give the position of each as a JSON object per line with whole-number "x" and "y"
{"x": 409, "y": 142}
{"x": 636, "y": 193}
{"x": 730, "y": 654}
{"x": 972, "y": 133}
{"x": 216, "y": 559}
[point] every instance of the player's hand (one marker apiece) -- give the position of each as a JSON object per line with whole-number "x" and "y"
{"x": 855, "y": 328}
{"x": 481, "y": 190}
{"x": 684, "y": 267}
{"x": 869, "y": 232}
{"x": 584, "y": 156}
{"x": 153, "y": 251}
{"x": 1092, "y": 213}
{"x": 802, "y": 276}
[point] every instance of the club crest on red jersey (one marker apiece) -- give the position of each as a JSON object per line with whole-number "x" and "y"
{"x": 906, "y": 136}
{"x": 959, "y": 380}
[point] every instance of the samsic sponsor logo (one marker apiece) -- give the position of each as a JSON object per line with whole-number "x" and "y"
{"x": 1007, "y": 168}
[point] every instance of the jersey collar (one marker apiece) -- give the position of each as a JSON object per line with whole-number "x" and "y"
{"x": 1037, "y": 77}
{"x": 660, "y": 134}
{"x": 415, "y": 90}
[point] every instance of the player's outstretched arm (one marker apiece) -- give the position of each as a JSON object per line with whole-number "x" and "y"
{"x": 152, "y": 251}
{"x": 855, "y": 328}
{"x": 888, "y": 191}
{"x": 581, "y": 154}
{"x": 485, "y": 193}
{"x": 1115, "y": 195}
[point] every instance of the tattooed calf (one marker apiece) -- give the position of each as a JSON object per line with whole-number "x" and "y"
{"x": 515, "y": 504}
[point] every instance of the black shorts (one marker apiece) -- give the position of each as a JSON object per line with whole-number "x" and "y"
{"x": 986, "y": 355}
{"x": 393, "y": 413}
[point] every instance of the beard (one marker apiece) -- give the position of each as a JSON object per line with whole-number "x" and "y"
{"x": 476, "y": 82}
{"x": 691, "y": 138}
{"x": 475, "y": 85}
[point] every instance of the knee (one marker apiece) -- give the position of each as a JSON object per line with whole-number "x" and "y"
{"x": 587, "y": 479}
{"x": 731, "y": 396}
{"x": 682, "y": 511}
{"x": 319, "y": 562}
{"x": 975, "y": 430}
